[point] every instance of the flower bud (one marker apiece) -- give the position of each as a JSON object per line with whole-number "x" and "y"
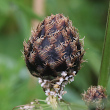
{"x": 54, "y": 54}
{"x": 53, "y": 47}
{"x": 95, "y": 97}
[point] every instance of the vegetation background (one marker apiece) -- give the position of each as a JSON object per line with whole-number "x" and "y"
{"x": 17, "y": 86}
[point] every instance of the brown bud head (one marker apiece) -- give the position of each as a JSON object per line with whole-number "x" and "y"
{"x": 53, "y": 47}
{"x": 95, "y": 97}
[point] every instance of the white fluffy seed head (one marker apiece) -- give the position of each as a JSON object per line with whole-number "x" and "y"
{"x": 47, "y": 92}
{"x": 40, "y": 80}
{"x": 42, "y": 84}
{"x": 59, "y": 83}
{"x": 66, "y": 78}
{"x": 57, "y": 88}
{"x": 70, "y": 76}
{"x": 59, "y": 97}
{"x": 52, "y": 93}
{"x": 74, "y": 73}
{"x": 61, "y": 80}
{"x": 72, "y": 79}
{"x": 64, "y": 73}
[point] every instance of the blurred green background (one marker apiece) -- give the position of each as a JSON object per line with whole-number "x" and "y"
{"x": 17, "y": 86}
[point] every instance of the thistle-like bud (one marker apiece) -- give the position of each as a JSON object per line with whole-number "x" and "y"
{"x": 54, "y": 47}
{"x": 95, "y": 97}
{"x": 54, "y": 54}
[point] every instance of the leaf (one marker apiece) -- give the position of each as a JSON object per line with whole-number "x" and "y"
{"x": 105, "y": 64}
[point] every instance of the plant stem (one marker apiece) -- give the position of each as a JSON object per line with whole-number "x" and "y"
{"x": 105, "y": 63}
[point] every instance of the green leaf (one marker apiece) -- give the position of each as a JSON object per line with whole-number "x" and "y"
{"x": 105, "y": 64}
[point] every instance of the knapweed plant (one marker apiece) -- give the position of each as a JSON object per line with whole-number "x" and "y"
{"x": 54, "y": 54}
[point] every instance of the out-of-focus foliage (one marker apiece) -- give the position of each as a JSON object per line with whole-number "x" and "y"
{"x": 17, "y": 86}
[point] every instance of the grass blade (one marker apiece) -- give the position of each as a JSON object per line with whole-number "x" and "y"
{"x": 105, "y": 64}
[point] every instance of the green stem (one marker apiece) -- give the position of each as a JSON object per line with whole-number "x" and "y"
{"x": 105, "y": 63}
